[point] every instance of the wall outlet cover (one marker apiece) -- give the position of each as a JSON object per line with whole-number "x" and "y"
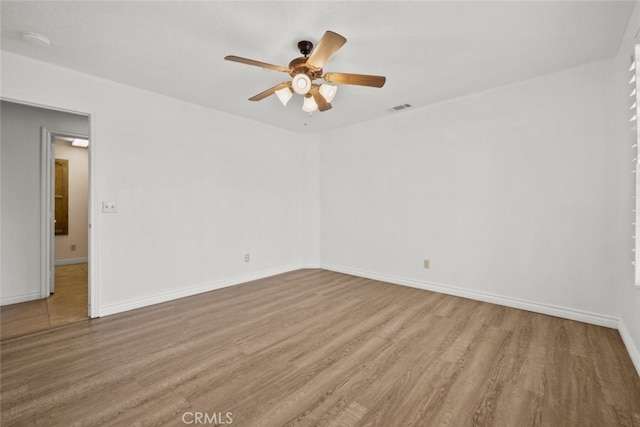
{"x": 109, "y": 207}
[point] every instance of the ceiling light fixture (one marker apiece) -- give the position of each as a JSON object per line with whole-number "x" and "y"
{"x": 306, "y": 69}
{"x": 310, "y": 92}
{"x": 36, "y": 39}
{"x": 309, "y": 105}
{"x": 79, "y": 142}
{"x": 284, "y": 95}
{"x": 301, "y": 84}
{"x": 328, "y": 91}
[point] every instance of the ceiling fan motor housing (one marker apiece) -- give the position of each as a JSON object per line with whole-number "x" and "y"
{"x": 299, "y": 65}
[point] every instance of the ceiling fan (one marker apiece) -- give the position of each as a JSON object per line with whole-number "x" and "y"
{"x": 307, "y": 68}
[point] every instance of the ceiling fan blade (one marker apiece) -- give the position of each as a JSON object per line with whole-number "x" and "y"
{"x": 270, "y": 91}
{"x": 322, "y": 103}
{"x": 355, "y": 79}
{"x": 329, "y": 44}
{"x": 256, "y": 63}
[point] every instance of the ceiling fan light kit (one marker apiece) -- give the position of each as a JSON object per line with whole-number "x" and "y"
{"x": 301, "y": 84}
{"x": 309, "y": 104}
{"x": 284, "y": 95}
{"x": 328, "y": 91}
{"x": 304, "y": 70}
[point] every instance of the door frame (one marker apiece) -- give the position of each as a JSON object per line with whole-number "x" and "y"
{"x": 93, "y": 258}
{"x": 47, "y": 203}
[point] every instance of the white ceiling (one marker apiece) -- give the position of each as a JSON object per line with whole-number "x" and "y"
{"x": 429, "y": 51}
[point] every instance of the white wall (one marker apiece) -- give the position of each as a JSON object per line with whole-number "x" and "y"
{"x": 311, "y": 238}
{"x": 20, "y": 195}
{"x": 509, "y": 193}
{"x": 78, "y": 205}
{"x": 196, "y": 189}
{"x": 621, "y": 149}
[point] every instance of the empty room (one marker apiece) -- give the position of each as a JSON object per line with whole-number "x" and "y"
{"x": 336, "y": 213}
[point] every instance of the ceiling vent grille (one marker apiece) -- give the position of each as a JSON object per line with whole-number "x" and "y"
{"x": 400, "y": 107}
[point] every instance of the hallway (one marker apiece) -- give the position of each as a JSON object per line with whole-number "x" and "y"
{"x": 67, "y": 305}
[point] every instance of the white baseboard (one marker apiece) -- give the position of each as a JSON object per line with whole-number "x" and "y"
{"x": 157, "y": 299}
{"x": 310, "y": 265}
{"x": 20, "y": 298}
{"x": 71, "y": 261}
{"x": 632, "y": 347}
{"x": 552, "y": 310}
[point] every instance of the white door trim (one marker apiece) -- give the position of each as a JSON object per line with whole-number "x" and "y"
{"x": 47, "y": 141}
{"x": 46, "y": 215}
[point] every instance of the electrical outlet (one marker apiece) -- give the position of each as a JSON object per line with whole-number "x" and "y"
{"x": 109, "y": 207}
{"x": 247, "y": 258}
{"x": 73, "y": 247}
{"x": 426, "y": 263}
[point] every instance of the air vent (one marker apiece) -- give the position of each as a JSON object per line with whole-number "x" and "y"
{"x": 400, "y": 107}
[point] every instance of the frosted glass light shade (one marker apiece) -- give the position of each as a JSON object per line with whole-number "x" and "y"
{"x": 301, "y": 83}
{"x": 284, "y": 95}
{"x": 309, "y": 104}
{"x": 328, "y": 91}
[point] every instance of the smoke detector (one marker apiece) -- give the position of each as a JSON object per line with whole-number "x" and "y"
{"x": 36, "y": 39}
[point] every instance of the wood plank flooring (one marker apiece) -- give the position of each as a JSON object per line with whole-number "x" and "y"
{"x": 68, "y": 304}
{"x": 313, "y": 347}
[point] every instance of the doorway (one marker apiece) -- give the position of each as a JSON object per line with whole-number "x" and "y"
{"x": 67, "y": 194}
{"x": 45, "y": 277}
{"x": 68, "y": 291}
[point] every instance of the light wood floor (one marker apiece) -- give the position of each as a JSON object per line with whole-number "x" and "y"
{"x": 313, "y": 347}
{"x": 67, "y": 305}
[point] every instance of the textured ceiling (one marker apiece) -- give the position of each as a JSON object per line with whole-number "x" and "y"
{"x": 429, "y": 51}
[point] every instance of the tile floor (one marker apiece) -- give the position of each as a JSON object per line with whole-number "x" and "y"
{"x": 67, "y": 305}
